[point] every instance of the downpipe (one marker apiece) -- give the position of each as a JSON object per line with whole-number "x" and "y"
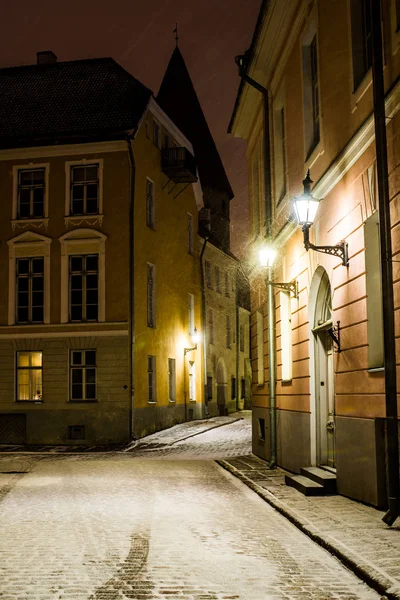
{"x": 204, "y": 311}
{"x": 272, "y": 368}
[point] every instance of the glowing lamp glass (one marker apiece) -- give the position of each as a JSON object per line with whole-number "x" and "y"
{"x": 267, "y": 256}
{"x": 195, "y": 337}
{"x": 305, "y": 208}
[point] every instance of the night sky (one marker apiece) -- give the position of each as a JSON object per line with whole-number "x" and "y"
{"x": 139, "y": 35}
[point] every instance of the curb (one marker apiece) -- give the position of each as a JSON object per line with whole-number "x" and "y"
{"x": 205, "y": 430}
{"x": 375, "y": 580}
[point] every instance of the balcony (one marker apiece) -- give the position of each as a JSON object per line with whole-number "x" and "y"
{"x": 179, "y": 165}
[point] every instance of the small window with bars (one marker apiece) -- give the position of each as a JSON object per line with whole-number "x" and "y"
{"x": 30, "y": 290}
{"x": 84, "y": 287}
{"x": 207, "y": 266}
{"x": 83, "y": 375}
{"x": 150, "y": 204}
{"x": 31, "y": 194}
{"x": 151, "y": 379}
{"x": 85, "y": 189}
{"x": 29, "y": 376}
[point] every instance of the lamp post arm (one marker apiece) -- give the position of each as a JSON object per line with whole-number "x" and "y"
{"x": 340, "y": 250}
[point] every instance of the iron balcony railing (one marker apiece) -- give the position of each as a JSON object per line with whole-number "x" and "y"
{"x": 179, "y": 165}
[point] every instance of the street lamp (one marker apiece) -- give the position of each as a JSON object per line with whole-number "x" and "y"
{"x": 305, "y": 207}
{"x": 267, "y": 254}
{"x": 195, "y": 337}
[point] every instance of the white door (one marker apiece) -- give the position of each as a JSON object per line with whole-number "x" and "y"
{"x": 325, "y": 400}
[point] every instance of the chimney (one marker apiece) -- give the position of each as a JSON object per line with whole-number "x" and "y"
{"x": 46, "y": 57}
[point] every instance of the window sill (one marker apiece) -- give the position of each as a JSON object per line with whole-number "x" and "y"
{"x": 29, "y": 401}
{"x": 78, "y": 220}
{"x": 376, "y": 370}
{"x": 172, "y": 401}
{"x": 152, "y": 402}
{"x": 82, "y": 401}
{"x": 361, "y": 89}
{"x": 314, "y": 154}
{"x": 26, "y": 223}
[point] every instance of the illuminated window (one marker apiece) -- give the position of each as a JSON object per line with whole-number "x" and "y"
{"x": 192, "y": 381}
{"x": 373, "y": 281}
{"x": 84, "y": 181}
{"x": 151, "y": 379}
{"x": 29, "y": 376}
{"x": 83, "y": 287}
{"x": 207, "y": 265}
{"x": 190, "y": 234}
{"x": 30, "y": 290}
{"x": 286, "y": 336}
{"x": 150, "y": 204}
{"x": 260, "y": 348}
{"x": 361, "y": 38}
{"x": 191, "y": 313}
{"x": 83, "y": 375}
{"x": 31, "y": 194}
{"x": 172, "y": 379}
{"x": 151, "y": 295}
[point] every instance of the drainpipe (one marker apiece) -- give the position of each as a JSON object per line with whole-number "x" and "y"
{"x": 131, "y": 329}
{"x": 237, "y": 324}
{"x": 241, "y": 62}
{"x": 204, "y": 311}
{"x": 392, "y": 441}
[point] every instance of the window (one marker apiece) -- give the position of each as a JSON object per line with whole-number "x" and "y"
{"x": 76, "y": 432}
{"x": 191, "y": 313}
{"x": 30, "y": 290}
{"x": 190, "y": 234}
{"x": 227, "y": 290}
{"x": 280, "y": 153}
{"x": 192, "y": 381}
{"x": 84, "y": 287}
{"x": 150, "y": 204}
{"x": 241, "y": 338}
{"x": 261, "y": 429}
{"x": 373, "y": 282}
{"x": 286, "y": 336}
{"x": 260, "y": 348}
{"x": 311, "y": 95}
{"x": 156, "y": 134}
{"x": 167, "y": 141}
{"x": 147, "y": 130}
{"x": 151, "y": 379}
{"x": 210, "y": 326}
{"x": 151, "y": 295}
{"x": 233, "y": 388}
{"x": 31, "y": 194}
{"x": 172, "y": 379}
{"x": 29, "y": 376}
{"x": 209, "y": 387}
{"x": 84, "y": 194}
{"x": 255, "y": 183}
{"x": 228, "y": 332}
{"x": 83, "y": 375}
{"x": 361, "y": 38}
{"x": 217, "y": 280}
{"x": 242, "y": 388}
{"x": 207, "y": 265}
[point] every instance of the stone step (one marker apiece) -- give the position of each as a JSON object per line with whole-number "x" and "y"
{"x": 328, "y": 468}
{"x": 321, "y": 476}
{"x": 306, "y": 486}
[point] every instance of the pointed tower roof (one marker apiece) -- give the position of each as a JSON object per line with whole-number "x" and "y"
{"x": 178, "y": 98}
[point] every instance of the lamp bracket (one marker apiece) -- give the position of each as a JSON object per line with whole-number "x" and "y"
{"x": 292, "y": 286}
{"x": 340, "y": 250}
{"x": 186, "y": 350}
{"x": 334, "y": 332}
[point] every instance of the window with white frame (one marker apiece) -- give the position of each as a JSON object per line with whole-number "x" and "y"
{"x": 31, "y": 193}
{"x": 217, "y": 279}
{"x": 84, "y": 189}
{"x": 29, "y": 376}
{"x": 190, "y": 234}
{"x": 311, "y": 95}
{"x": 191, "y": 313}
{"x": 150, "y": 204}
{"x": 84, "y": 287}
{"x": 151, "y": 379}
{"x": 151, "y": 295}
{"x": 207, "y": 266}
{"x": 192, "y": 381}
{"x": 361, "y": 39}
{"x": 279, "y": 150}
{"x": 286, "y": 336}
{"x": 83, "y": 375}
{"x": 228, "y": 331}
{"x": 260, "y": 348}
{"x": 156, "y": 134}
{"x": 373, "y": 282}
{"x": 210, "y": 326}
{"x": 172, "y": 379}
{"x": 30, "y": 290}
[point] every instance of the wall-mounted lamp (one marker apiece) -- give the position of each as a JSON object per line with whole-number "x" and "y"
{"x": 195, "y": 337}
{"x": 305, "y": 207}
{"x": 267, "y": 256}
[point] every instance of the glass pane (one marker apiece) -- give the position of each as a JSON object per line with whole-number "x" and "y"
{"x": 76, "y": 392}
{"x": 91, "y": 206}
{"x": 37, "y": 265}
{"x": 36, "y": 376}
{"x": 90, "y": 375}
{"x": 37, "y": 284}
{"x": 91, "y": 263}
{"x": 91, "y": 297}
{"x": 77, "y": 207}
{"x": 76, "y": 313}
{"x": 76, "y": 297}
{"x": 91, "y": 190}
{"x": 75, "y": 263}
{"x": 38, "y": 210}
{"x": 78, "y": 192}
{"x": 76, "y": 282}
{"x": 23, "y": 359}
{"x": 37, "y": 176}
{"x": 37, "y": 298}
{"x": 91, "y": 282}
{"x": 91, "y": 173}
{"x": 38, "y": 194}
{"x": 22, "y": 284}
{"x": 77, "y": 375}
{"x": 36, "y": 359}
{"x": 37, "y": 314}
{"x": 78, "y": 174}
{"x": 25, "y": 177}
{"x": 22, "y": 315}
{"x": 91, "y": 391}
{"x": 76, "y": 357}
{"x": 23, "y": 385}
{"x": 91, "y": 313}
{"x": 23, "y": 266}
{"x": 90, "y": 357}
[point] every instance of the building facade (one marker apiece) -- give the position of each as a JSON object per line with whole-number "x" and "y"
{"x": 99, "y": 261}
{"x": 313, "y": 109}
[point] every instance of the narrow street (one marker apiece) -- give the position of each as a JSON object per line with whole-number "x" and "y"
{"x": 152, "y": 524}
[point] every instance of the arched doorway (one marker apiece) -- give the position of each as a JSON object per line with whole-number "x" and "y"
{"x": 323, "y": 406}
{"x": 221, "y": 387}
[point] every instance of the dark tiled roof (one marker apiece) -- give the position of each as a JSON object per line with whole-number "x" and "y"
{"x": 92, "y": 98}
